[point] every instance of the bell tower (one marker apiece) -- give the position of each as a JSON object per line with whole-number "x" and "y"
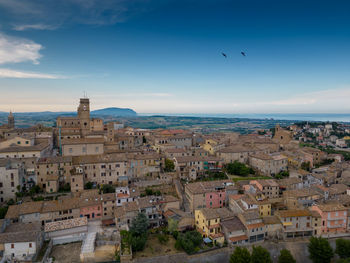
{"x": 11, "y": 121}
{"x": 84, "y": 115}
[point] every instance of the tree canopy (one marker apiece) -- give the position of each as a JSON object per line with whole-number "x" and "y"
{"x": 320, "y": 250}
{"x": 169, "y": 165}
{"x": 189, "y": 241}
{"x": 260, "y": 255}
{"x": 238, "y": 168}
{"x": 240, "y": 255}
{"x": 343, "y": 248}
{"x": 286, "y": 257}
{"x": 139, "y": 225}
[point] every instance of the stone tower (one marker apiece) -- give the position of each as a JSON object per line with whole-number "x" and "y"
{"x": 11, "y": 121}
{"x": 84, "y": 116}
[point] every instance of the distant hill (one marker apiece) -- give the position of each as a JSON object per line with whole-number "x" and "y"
{"x": 114, "y": 112}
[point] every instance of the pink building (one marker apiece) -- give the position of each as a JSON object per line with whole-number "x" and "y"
{"x": 91, "y": 208}
{"x": 334, "y": 217}
{"x": 215, "y": 199}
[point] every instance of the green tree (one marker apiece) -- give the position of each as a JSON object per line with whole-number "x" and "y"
{"x": 139, "y": 225}
{"x": 240, "y": 255}
{"x": 169, "y": 165}
{"x": 88, "y": 185}
{"x": 108, "y": 188}
{"x": 238, "y": 168}
{"x": 343, "y": 260}
{"x": 286, "y": 257}
{"x": 190, "y": 241}
{"x": 172, "y": 225}
{"x": 320, "y": 250}
{"x": 3, "y": 211}
{"x": 138, "y": 242}
{"x": 343, "y": 248}
{"x": 260, "y": 255}
{"x": 149, "y": 191}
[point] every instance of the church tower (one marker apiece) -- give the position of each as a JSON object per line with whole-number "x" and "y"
{"x": 84, "y": 116}
{"x": 11, "y": 121}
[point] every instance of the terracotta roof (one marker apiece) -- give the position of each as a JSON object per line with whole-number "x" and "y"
{"x": 204, "y": 187}
{"x": 238, "y": 238}
{"x": 82, "y": 141}
{"x": 20, "y": 232}
{"x": 233, "y": 224}
{"x": 332, "y": 207}
{"x": 55, "y": 159}
{"x": 271, "y": 220}
{"x": 38, "y": 147}
{"x": 293, "y": 213}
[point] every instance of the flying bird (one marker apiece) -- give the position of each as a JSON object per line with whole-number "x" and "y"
{"x": 222, "y": 53}
{"x": 243, "y": 54}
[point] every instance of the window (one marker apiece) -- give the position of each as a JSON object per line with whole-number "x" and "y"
{"x": 30, "y": 244}
{"x": 70, "y": 150}
{"x": 12, "y": 245}
{"x": 84, "y": 149}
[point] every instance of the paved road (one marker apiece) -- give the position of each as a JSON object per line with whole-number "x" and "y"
{"x": 185, "y": 204}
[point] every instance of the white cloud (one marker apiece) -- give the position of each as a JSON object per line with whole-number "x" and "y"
{"x": 15, "y": 50}
{"x": 9, "y": 73}
{"x": 34, "y": 27}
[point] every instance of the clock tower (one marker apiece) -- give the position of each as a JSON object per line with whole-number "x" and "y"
{"x": 84, "y": 116}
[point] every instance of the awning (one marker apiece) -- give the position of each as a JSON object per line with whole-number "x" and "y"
{"x": 207, "y": 240}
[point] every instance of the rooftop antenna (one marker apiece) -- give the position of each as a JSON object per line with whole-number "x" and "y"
{"x": 85, "y": 94}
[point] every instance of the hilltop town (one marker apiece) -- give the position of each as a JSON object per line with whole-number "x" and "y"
{"x": 95, "y": 191}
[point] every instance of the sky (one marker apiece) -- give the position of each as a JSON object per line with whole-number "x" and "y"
{"x": 164, "y": 56}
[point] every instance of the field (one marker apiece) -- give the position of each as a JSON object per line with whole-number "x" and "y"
{"x": 155, "y": 248}
{"x": 66, "y": 253}
{"x": 202, "y": 124}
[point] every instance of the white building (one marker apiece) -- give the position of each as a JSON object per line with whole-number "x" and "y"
{"x": 21, "y": 242}
{"x": 11, "y": 176}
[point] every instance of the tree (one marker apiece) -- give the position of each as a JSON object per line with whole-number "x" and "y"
{"x": 286, "y": 257}
{"x": 172, "y": 225}
{"x": 139, "y": 225}
{"x": 108, "y": 188}
{"x": 3, "y": 211}
{"x": 88, "y": 185}
{"x": 138, "y": 242}
{"x": 306, "y": 166}
{"x": 260, "y": 255}
{"x": 189, "y": 241}
{"x": 343, "y": 248}
{"x": 320, "y": 250}
{"x": 169, "y": 165}
{"x": 238, "y": 168}
{"x": 240, "y": 255}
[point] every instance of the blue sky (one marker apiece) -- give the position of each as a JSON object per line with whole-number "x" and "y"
{"x": 164, "y": 56}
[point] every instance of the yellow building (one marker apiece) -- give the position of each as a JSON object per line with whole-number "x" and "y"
{"x": 264, "y": 208}
{"x": 209, "y": 145}
{"x": 208, "y": 220}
